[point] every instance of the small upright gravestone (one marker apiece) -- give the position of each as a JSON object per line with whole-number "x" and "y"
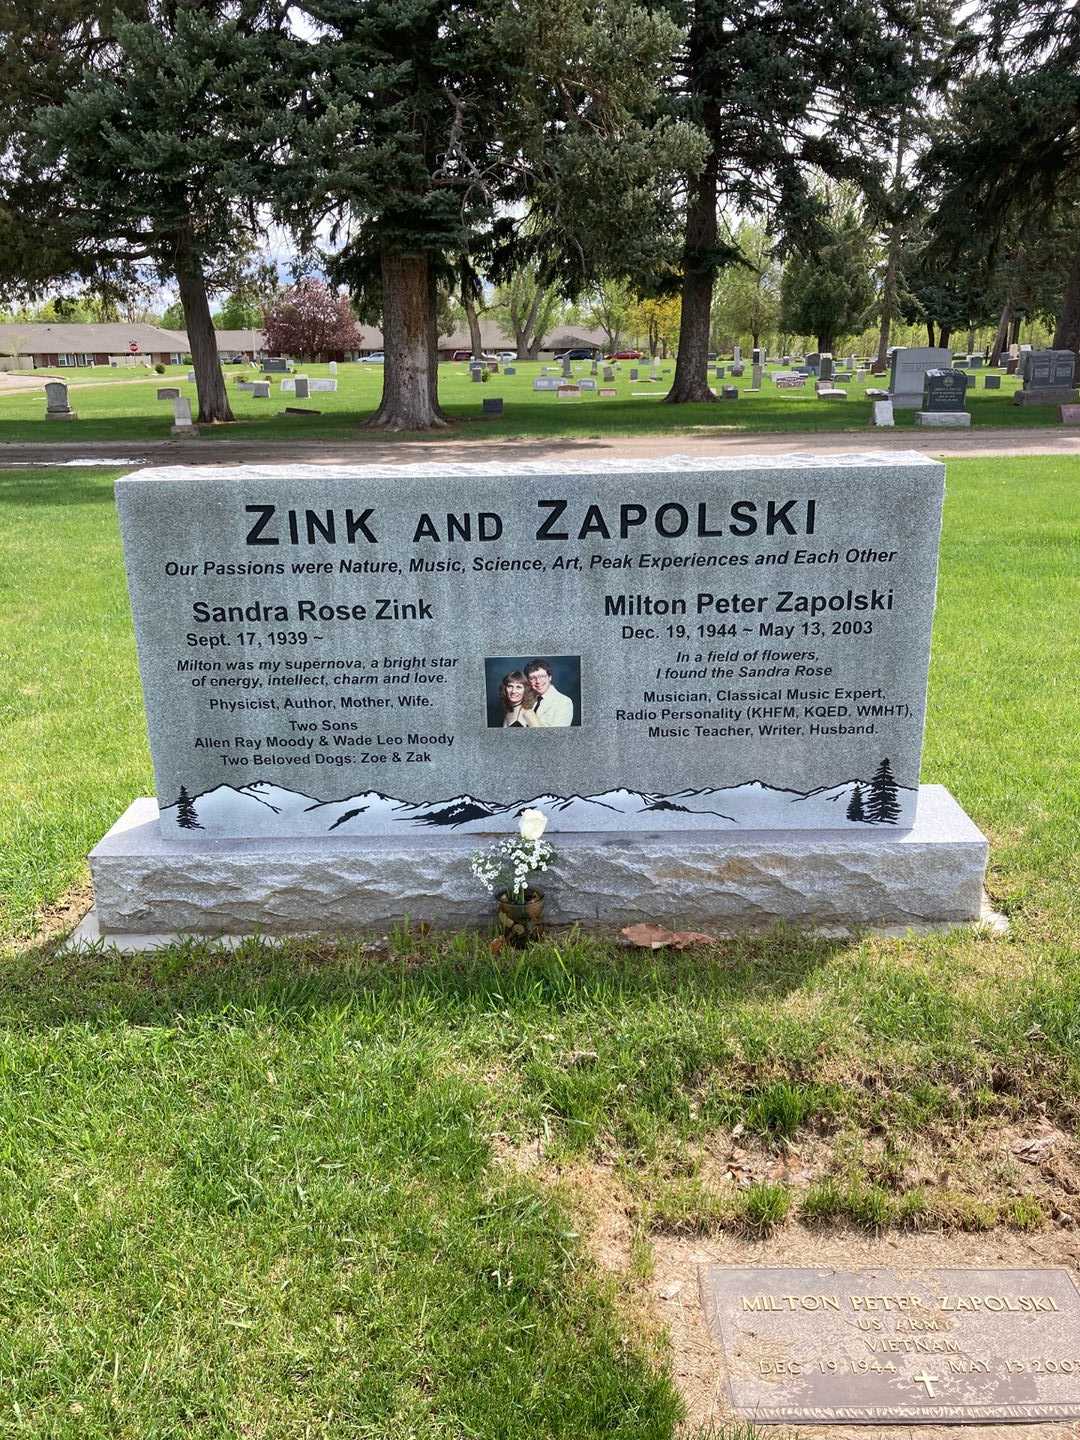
{"x": 825, "y": 366}
{"x": 56, "y": 401}
{"x": 182, "y": 416}
{"x": 718, "y": 373}
{"x": 634, "y": 373}
{"x": 168, "y": 392}
{"x": 736, "y": 354}
{"x": 567, "y": 368}
{"x": 260, "y": 390}
{"x": 493, "y": 405}
{"x": 737, "y": 371}
{"x": 944, "y": 395}
{"x": 275, "y": 365}
{"x": 992, "y": 382}
{"x": 609, "y": 374}
{"x": 332, "y": 367}
{"x": 755, "y": 375}
{"x": 587, "y": 383}
{"x": 883, "y": 413}
{"x": 476, "y": 373}
{"x": 509, "y": 370}
{"x": 301, "y": 390}
{"x": 813, "y": 362}
{"x": 730, "y": 392}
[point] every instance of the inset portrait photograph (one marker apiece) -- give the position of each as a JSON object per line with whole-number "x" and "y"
{"x": 533, "y": 692}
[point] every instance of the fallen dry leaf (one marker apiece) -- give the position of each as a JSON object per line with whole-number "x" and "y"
{"x": 649, "y": 937}
{"x": 655, "y": 937}
{"x": 1032, "y": 1151}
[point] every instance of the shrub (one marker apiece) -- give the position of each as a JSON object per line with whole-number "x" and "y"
{"x": 160, "y": 368}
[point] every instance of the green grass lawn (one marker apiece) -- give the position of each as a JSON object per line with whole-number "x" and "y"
{"x": 266, "y": 1193}
{"x": 121, "y": 405}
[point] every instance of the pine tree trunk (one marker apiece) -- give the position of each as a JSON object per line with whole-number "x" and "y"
{"x": 930, "y": 333}
{"x": 202, "y": 338}
{"x": 944, "y": 336}
{"x": 411, "y": 371}
{"x": 1014, "y": 330}
{"x": 699, "y": 272}
{"x": 1067, "y": 334}
{"x": 1002, "y": 336}
{"x": 971, "y": 342}
{"x": 471, "y": 316}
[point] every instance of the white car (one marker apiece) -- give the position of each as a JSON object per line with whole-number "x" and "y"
{"x": 377, "y": 359}
{"x": 506, "y": 355}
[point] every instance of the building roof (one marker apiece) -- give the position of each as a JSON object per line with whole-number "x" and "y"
{"x": 105, "y": 339}
{"x": 115, "y": 339}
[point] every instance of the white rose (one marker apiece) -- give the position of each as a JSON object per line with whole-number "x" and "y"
{"x": 532, "y": 824}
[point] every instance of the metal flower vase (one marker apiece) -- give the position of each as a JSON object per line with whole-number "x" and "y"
{"x": 521, "y": 921}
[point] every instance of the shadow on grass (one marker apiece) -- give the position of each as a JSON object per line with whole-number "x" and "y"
{"x": 33, "y": 487}
{"x": 45, "y": 987}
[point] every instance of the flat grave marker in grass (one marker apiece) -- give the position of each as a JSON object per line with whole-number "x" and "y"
{"x": 943, "y": 1346}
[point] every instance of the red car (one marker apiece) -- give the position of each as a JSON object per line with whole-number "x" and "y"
{"x": 627, "y": 355}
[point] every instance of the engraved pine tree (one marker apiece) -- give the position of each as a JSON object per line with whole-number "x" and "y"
{"x": 186, "y": 816}
{"x": 883, "y": 803}
{"x": 855, "y": 809}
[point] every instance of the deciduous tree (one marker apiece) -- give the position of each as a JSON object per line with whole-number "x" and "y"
{"x": 309, "y": 319}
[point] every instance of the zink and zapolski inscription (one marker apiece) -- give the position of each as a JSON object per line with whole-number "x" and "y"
{"x": 628, "y": 646}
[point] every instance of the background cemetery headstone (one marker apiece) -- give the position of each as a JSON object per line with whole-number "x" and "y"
{"x": 944, "y": 400}
{"x": 56, "y": 401}
{"x": 907, "y": 369}
{"x": 1049, "y": 378}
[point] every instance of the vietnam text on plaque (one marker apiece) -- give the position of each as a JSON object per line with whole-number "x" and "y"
{"x": 957, "y": 1346}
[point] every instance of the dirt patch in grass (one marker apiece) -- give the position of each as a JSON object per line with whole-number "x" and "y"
{"x": 654, "y": 1253}
{"x": 57, "y": 920}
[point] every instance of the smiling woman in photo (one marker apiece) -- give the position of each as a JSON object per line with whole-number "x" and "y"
{"x": 517, "y": 699}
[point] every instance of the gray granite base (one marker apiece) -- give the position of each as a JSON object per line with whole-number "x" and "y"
{"x": 1049, "y": 395}
{"x": 943, "y": 419}
{"x": 148, "y": 886}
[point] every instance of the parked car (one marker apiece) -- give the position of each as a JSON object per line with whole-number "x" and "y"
{"x": 377, "y": 359}
{"x": 627, "y": 355}
{"x": 576, "y": 355}
{"x": 461, "y": 355}
{"x": 506, "y": 355}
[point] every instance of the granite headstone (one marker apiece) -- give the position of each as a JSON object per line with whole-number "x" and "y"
{"x": 734, "y": 644}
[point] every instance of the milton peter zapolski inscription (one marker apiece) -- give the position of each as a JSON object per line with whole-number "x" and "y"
{"x": 870, "y": 1346}
{"x": 727, "y": 646}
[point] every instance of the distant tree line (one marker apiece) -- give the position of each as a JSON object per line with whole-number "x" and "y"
{"x": 685, "y": 171}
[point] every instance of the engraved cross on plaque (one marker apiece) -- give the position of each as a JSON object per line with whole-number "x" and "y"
{"x": 927, "y": 1380}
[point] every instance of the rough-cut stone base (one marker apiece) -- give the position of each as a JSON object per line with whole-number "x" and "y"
{"x": 147, "y": 885}
{"x": 1050, "y": 395}
{"x": 943, "y": 419}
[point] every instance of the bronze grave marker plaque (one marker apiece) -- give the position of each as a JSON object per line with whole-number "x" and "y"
{"x": 867, "y": 1346}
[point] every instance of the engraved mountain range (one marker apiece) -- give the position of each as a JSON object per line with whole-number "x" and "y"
{"x": 263, "y": 808}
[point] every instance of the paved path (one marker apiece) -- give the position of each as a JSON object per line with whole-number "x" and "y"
{"x": 207, "y": 451}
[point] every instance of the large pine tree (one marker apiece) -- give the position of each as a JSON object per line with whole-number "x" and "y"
{"x": 1008, "y": 150}
{"x": 784, "y": 89}
{"x": 429, "y": 124}
{"x": 150, "y": 142}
